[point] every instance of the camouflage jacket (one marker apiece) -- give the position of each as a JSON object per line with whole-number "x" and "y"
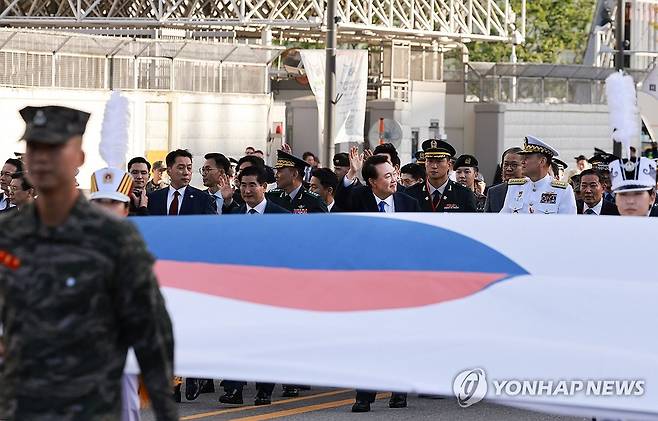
{"x": 73, "y": 299}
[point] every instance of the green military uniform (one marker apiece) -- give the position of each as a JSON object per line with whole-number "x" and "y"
{"x": 304, "y": 201}
{"x": 73, "y": 299}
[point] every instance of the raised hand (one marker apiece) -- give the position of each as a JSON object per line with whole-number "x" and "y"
{"x": 225, "y": 188}
{"x": 356, "y": 163}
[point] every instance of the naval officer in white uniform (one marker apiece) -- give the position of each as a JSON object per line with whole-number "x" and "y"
{"x": 538, "y": 191}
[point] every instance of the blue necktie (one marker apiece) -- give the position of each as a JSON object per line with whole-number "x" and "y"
{"x": 589, "y": 212}
{"x": 382, "y": 205}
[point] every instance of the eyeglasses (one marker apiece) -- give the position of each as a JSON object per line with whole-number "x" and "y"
{"x": 206, "y": 170}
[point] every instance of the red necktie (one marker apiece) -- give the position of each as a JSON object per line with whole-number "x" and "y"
{"x": 173, "y": 208}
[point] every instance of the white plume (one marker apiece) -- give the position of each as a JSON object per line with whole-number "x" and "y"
{"x": 624, "y": 115}
{"x": 114, "y": 133}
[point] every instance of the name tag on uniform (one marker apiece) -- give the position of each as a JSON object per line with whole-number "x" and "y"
{"x": 550, "y": 198}
{"x": 451, "y": 206}
{"x": 300, "y": 211}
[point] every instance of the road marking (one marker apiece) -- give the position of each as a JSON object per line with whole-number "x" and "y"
{"x": 305, "y": 409}
{"x": 280, "y": 402}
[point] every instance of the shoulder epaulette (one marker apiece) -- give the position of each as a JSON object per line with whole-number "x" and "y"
{"x": 559, "y": 184}
{"x": 311, "y": 193}
{"x": 517, "y": 181}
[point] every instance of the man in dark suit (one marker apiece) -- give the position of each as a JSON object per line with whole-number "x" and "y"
{"x": 439, "y": 193}
{"x": 512, "y": 167}
{"x": 11, "y": 167}
{"x": 592, "y": 189}
{"x": 380, "y": 192}
{"x": 324, "y": 183}
{"x": 215, "y": 173}
{"x": 378, "y": 195}
{"x": 253, "y": 185}
{"x": 180, "y": 198}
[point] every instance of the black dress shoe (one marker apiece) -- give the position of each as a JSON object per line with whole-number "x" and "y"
{"x": 425, "y": 396}
{"x": 208, "y": 386}
{"x": 263, "y": 398}
{"x": 290, "y": 392}
{"x": 361, "y": 406}
{"x": 398, "y": 400}
{"x": 192, "y": 389}
{"x": 177, "y": 394}
{"x": 233, "y": 397}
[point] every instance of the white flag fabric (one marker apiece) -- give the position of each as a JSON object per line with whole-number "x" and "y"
{"x": 351, "y": 90}
{"x": 423, "y": 303}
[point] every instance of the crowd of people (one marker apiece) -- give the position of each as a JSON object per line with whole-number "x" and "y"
{"x": 531, "y": 179}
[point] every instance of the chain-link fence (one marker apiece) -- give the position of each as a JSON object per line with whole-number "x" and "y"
{"x": 75, "y": 61}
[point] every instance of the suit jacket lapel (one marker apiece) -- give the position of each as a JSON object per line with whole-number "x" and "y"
{"x": 397, "y": 202}
{"x": 187, "y": 206}
{"x": 370, "y": 203}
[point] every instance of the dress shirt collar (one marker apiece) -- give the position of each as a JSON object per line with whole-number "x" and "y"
{"x": 441, "y": 188}
{"x": 295, "y": 192}
{"x": 260, "y": 208}
{"x": 597, "y": 208}
{"x": 181, "y": 191}
{"x": 390, "y": 203}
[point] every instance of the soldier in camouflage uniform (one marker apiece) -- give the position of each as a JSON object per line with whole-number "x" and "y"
{"x": 77, "y": 290}
{"x": 291, "y": 194}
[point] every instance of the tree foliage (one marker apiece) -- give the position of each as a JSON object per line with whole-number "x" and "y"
{"x": 556, "y": 32}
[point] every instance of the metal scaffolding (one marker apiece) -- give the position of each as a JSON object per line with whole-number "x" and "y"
{"x": 359, "y": 20}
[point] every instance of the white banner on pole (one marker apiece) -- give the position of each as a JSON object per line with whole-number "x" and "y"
{"x": 351, "y": 90}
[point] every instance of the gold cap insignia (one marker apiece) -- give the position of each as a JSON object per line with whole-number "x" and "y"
{"x": 433, "y": 144}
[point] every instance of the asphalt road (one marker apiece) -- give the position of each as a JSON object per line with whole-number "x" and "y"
{"x": 335, "y": 404}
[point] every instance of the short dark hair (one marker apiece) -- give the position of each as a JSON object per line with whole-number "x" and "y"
{"x": 259, "y": 151}
{"x": 256, "y": 170}
{"x": 139, "y": 160}
{"x": 249, "y": 147}
{"x": 171, "y": 156}
{"x": 592, "y": 171}
{"x": 16, "y": 163}
{"x": 326, "y": 177}
{"x": 25, "y": 184}
{"x": 415, "y": 170}
{"x": 370, "y": 167}
{"x": 307, "y": 154}
{"x": 253, "y": 160}
{"x": 220, "y": 160}
{"x": 390, "y": 150}
{"x": 514, "y": 150}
